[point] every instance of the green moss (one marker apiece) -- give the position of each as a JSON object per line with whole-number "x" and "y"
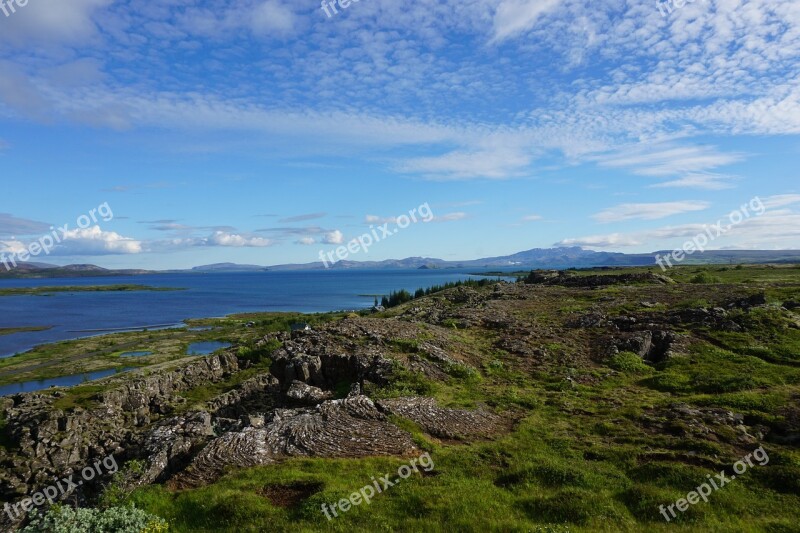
{"x": 82, "y": 396}
{"x": 630, "y": 363}
{"x": 705, "y": 277}
{"x": 200, "y": 395}
{"x": 402, "y": 383}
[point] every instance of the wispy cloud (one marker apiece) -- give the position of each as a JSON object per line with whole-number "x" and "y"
{"x": 374, "y": 219}
{"x": 11, "y": 226}
{"x": 614, "y": 240}
{"x": 303, "y": 218}
{"x": 705, "y": 181}
{"x": 653, "y": 211}
{"x": 493, "y": 164}
{"x": 663, "y": 160}
{"x": 514, "y": 17}
{"x": 776, "y": 228}
{"x": 451, "y": 217}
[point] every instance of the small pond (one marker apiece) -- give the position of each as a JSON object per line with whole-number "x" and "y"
{"x": 206, "y": 348}
{"x": 63, "y": 381}
{"x": 136, "y": 354}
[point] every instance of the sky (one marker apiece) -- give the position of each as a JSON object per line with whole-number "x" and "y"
{"x": 267, "y": 132}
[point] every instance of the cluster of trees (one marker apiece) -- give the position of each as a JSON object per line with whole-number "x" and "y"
{"x": 402, "y": 296}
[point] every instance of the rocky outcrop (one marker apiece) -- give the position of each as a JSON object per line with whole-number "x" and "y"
{"x": 288, "y": 411}
{"x": 169, "y": 446}
{"x": 301, "y": 394}
{"x": 51, "y": 442}
{"x": 716, "y": 317}
{"x": 443, "y": 423}
{"x": 570, "y": 279}
{"x": 352, "y": 427}
{"x": 755, "y": 300}
{"x": 154, "y": 394}
{"x": 685, "y": 421}
{"x": 257, "y": 394}
{"x": 652, "y": 346}
{"x": 311, "y": 357}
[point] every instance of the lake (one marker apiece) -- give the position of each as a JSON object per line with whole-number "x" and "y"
{"x": 81, "y": 314}
{"x": 63, "y": 381}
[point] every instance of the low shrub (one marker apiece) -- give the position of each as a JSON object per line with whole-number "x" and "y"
{"x": 61, "y": 519}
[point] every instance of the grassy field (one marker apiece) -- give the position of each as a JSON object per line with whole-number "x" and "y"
{"x": 577, "y": 460}
{"x": 11, "y": 331}
{"x": 47, "y": 291}
{"x": 581, "y": 456}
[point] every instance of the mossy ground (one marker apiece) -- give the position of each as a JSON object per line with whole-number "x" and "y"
{"x": 578, "y": 458}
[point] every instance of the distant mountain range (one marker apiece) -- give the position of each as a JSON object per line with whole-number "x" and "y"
{"x": 566, "y": 257}
{"x": 44, "y": 270}
{"x": 229, "y": 267}
{"x": 572, "y": 257}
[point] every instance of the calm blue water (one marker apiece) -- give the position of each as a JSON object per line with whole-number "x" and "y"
{"x": 74, "y": 315}
{"x": 135, "y": 354}
{"x": 206, "y": 348}
{"x": 64, "y": 381}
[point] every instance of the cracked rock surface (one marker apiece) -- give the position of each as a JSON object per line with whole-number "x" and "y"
{"x": 352, "y": 427}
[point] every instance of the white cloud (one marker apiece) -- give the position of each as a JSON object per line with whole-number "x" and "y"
{"x": 221, "y": 238}
{"x": 334, "y": 237}
{"x": 666, "y": 160}
{"x": 374, "y": 219}
{"x": 532, "y": 218}
{"x": 88, "y": 241}
{"x": 720, "y": 68}
{"x": 513, "y": 17}
{"x": 652, "y": 211}
{"x": 272, "y": 17}
{"x": 614, "y": 240}
{"x": 773, "y": 229}
{"x": 13, "y": 246}
{"x": 303, "y": 218}
{"x": 451, "y": 217}
{"x": 306, "y": 241}
{"x": 705, "y": 181}
{"x": 262, "y": 19}
{"x": 51, "y": 21}
{"x": 494, "y": 164}
{"x": 781, "y": 200}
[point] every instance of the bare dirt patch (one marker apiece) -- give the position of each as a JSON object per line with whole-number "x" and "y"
{"x": 290, "y": 495}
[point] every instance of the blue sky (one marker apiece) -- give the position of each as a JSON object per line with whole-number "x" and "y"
{"x": 264, "y": 131}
